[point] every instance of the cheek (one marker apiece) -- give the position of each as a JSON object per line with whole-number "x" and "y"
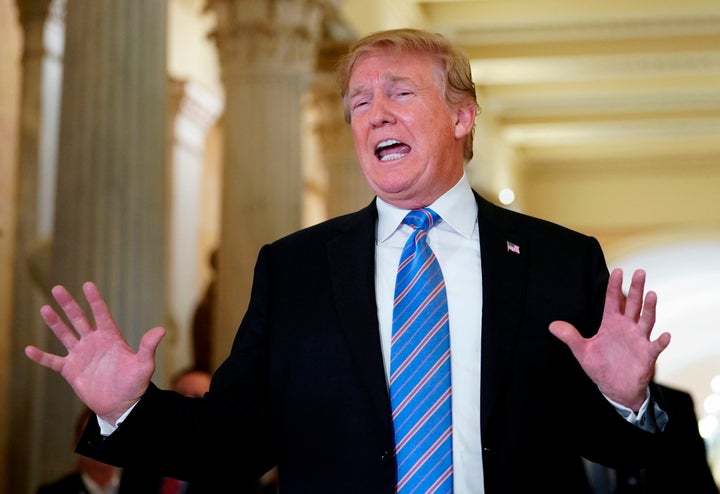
{"x": 361, "y": 152}
{"x": 359, "y": 138}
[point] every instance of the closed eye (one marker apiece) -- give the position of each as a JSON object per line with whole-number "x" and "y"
{"x": 401, "y": 95}
{"x": 359, "y": 105}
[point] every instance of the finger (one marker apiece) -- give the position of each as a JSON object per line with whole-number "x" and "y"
{"x": 633, "y": 305}
{"x": 614, "y": 298}
{"x": 74, "y": 313}
{"x": 661, "y": 343}
{"x": 45, "y": 359}
{"x": 149, "y": 343}
{"x": 58, "y": 327}
{"x": 567, "y": 333}
{"x": 101, "y": 313}
{"x": 647, "y": 319}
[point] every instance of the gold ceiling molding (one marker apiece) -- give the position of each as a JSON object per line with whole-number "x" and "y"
{"x": 493, "y": 32}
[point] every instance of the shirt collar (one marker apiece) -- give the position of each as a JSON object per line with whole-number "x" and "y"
{"x": 457, "y": 208}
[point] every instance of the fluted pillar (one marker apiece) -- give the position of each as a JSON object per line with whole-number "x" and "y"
{"x": 267, "y": 51}
{"x": 111, "y": 221}
{"x": 43, "y": 24}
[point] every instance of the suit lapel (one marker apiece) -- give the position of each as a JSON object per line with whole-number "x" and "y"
{"x": 504, "y": 270}
{"x": 352, "y": 264}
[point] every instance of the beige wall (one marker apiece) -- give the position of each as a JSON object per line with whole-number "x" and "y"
{"x": 191, "y": 53}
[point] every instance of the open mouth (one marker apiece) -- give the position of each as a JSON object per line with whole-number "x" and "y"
{"x": 391, "y": 149}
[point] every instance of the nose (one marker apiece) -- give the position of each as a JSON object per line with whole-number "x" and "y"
{"x": 381, "y": 112}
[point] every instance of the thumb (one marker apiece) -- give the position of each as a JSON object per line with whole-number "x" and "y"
{"x": 150, "y": 341}
{"x": 567, "y": 333}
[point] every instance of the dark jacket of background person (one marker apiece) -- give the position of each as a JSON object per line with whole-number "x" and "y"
{"x": 102, "y": 474}
{"x": 681, "y": 467}
{"x": 71, "y": 483}
{"x": 304, "y": 386}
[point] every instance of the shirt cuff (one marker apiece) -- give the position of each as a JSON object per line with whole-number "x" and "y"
{"x": 651, "y": 422}
{"x": 107, "y": 428}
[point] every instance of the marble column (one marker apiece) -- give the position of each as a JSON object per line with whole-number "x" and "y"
{"x": 267, "y": 52}
{"x": 110, "y": 222}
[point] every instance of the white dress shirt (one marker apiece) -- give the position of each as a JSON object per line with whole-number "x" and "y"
{"x": 455, "y": 241}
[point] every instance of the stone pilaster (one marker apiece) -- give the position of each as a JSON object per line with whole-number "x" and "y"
{"x": 195, "y": 111}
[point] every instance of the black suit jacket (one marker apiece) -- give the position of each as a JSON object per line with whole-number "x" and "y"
{"x": 146, "y": 481}
{"x": 304, "y": 385}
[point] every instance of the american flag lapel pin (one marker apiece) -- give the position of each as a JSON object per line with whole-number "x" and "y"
{"x": 511, "y": 247}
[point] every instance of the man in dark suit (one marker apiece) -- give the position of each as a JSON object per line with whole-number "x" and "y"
{"x": 682, "y": 466}
{"x": 550, "y": 362}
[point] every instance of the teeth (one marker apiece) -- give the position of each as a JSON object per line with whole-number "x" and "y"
{"x": 393, "y": 156}
{"x": 388, "y": 142}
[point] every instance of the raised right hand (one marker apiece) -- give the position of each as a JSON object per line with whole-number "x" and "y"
{"x": 105, "y": 373}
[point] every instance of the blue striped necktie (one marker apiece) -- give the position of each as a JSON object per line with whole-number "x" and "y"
{"x": 420, "y": 389}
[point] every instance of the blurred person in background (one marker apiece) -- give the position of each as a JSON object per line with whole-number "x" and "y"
{"x": 681, "y": 468}
{"x": 90, "y": 476}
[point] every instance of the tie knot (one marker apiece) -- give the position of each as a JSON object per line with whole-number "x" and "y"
{"x": 422, "y": 219}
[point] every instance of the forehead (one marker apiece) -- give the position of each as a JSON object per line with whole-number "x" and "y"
{"x": 390, "y": 67}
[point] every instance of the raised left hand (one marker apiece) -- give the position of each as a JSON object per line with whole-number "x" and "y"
{"x": 620, "y": 358}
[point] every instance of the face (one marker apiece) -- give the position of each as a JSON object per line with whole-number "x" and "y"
{"x": 193, "y": 384}
{"x": 409, "y": 142}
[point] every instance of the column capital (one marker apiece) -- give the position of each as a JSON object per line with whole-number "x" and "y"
{"x": 266, "y": 35}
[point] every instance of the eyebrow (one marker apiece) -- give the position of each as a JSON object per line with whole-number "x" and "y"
{"x": 386, "y": 78}
{"x": 356, "y": 90}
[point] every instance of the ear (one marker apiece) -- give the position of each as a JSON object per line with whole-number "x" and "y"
{"x": 464, "y": 119}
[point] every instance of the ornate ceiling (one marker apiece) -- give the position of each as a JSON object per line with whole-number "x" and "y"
{"x": 585, "y": 87}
